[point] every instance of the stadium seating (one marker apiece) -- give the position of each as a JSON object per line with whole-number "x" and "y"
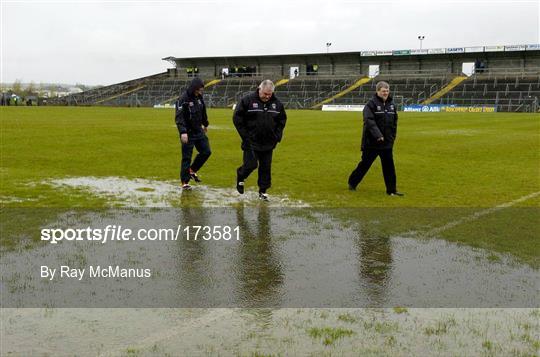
{"x": 158, "y": 91}
{"x": 510, "y": 93}
{"x": 507, "y": 91}
{"x": 102, "y": 95}
{"x": 406, "y": 90}
{"x": 304, "y": 92}
{"x": 229, "y": 91}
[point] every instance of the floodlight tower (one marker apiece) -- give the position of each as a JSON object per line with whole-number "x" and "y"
{"x": 328, "y": 44}
{"x": 421, "y": 38}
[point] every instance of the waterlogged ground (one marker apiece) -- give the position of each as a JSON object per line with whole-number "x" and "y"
{"x": 286, "y": 264}
{"x": 151, "y": 193}
{"x": 280, "y": 258}
{"x": 248, "y": 332}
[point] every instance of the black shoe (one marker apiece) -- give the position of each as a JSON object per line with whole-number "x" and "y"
{"x": 263, "y": 197}
{"x": 194, "y": 176}
{"x": 395, "y": 194}
{"x": 352, "y": 188}
{"x": 240, "y": 186}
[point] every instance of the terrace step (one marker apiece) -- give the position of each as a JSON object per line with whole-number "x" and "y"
{"x": 120, "y": 94}
{"x": 355, "y": 85}
{"x": 453, "y": 83}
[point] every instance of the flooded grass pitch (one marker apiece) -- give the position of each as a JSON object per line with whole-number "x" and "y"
{"x": 299, "y": 281}
{"x": 450, "y": 269}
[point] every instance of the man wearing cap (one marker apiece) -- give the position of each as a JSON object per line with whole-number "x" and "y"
{"x": 192, "y": 123}
{"x": 259, "y": 118}
{"x": 379, "y": 134}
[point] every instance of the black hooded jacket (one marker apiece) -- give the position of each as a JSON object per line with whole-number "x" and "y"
{"x": 191, "y": 111}
{"x": 380, "y": 120}
{"x": 260, "y": 124}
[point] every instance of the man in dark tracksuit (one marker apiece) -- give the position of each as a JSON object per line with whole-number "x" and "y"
{"x": 260, "y": 119}
{"x": 379, "y": 134}
{"x": 192, "y": 123}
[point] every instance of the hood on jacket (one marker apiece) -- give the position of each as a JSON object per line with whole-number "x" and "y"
{"x": 195, "y": 84}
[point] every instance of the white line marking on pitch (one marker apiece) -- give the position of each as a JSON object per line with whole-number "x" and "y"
{"x": 477, "y": 215}
{"x": 193, "y": 324}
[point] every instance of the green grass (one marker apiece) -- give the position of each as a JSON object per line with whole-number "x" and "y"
{"x": 329, "y": 335}
{"x": 400, "y": 310}
{"x": 444, "y": 160}
{"x": 347, "y": 318}
{"x": 440, "y": 328}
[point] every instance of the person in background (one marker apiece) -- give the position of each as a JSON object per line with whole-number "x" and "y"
{"x": 192, "y": 123}
{"x": 378, "y": 136}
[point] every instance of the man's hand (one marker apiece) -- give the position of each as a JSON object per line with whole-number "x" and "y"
{"x": 381, "y": 139}
{"x": 184, "y": 138}
{"x": 205, "y": 128}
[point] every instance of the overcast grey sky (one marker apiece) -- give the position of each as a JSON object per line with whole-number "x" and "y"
{"x": 103, "y": 42}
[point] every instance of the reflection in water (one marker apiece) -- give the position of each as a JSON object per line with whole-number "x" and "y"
{"x": 193, "y": 262}
{"x": 259, "y": 270}
{"x": 285, "y": 258}
{"x": 374, "y": 264}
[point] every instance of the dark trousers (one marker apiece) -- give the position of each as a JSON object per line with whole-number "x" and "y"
{"x": 252, "y": 159}
{"x": 203, "y": 147}
{"x": 387, "y": 161}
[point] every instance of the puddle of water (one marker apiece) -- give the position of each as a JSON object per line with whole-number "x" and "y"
{"x": 13, "y": 199}
{"x": 286, "y": 258}
{"x": 152, "y": 193}
{"x": 283, "y": 258}
{"x": 220, "y": 127}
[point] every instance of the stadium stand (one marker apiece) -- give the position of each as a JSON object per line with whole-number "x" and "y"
{"x": 509, "y": 92}
{"x": 407, "y": 88}
{"x": 157, "y": 91}
{"x": 306, "y": 92}
{"x": 228, "y": 91}
{"x": 508, "y": 80}
{"x": 103, "y": 95}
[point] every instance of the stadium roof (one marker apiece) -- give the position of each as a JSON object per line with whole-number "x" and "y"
{"x": 266, "y": 56}
{"x": 453, "y": 50}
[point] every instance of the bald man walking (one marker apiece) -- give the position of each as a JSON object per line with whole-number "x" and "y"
{"x": 259, "y": 118}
